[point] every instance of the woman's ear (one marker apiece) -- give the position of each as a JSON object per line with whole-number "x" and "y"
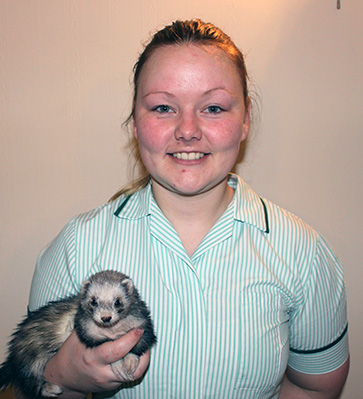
{"x": 134, "y": 128}
{"x": 246, "y": 122}
{"x": 132, "y": 117}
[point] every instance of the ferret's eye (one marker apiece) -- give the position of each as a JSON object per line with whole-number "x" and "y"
{"x": 94, "y": 302}
{"x": 118, "y": 303}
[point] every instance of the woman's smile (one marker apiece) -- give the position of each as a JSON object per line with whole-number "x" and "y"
{"x": 188, "y": 156}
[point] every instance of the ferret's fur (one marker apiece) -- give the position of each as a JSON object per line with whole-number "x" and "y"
{"x": 107, "y": 307}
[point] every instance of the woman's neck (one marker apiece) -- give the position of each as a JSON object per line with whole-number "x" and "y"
{"x": 193, "y": 216}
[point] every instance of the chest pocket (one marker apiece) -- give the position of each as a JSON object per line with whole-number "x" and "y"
{"x": 264, "y": 323}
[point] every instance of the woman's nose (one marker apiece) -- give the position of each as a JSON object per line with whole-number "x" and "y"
{"x": 188, "y": 127}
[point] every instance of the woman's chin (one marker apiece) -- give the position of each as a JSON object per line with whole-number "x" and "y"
{"x": 189, "y": 187}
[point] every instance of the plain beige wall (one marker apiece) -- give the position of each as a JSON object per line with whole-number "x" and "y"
{"x": 65, "y": 67}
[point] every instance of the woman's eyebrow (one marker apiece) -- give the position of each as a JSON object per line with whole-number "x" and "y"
{"x": 220, "y": 88}
{"x": 159, "y": 92}
{"x": 206, "y": 93}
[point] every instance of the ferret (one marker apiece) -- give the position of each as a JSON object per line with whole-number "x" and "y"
{"x": 107, "y": 307}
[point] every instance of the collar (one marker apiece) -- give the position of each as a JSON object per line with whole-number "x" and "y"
{"x": 135, "y": 206}
{"x": 248, "y": 207}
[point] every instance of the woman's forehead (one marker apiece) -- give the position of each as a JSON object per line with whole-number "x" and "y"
{"x": 175, "y": 65}
{"x": 196, "y": 51}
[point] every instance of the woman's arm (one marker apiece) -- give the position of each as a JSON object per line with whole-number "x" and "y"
{"x": 79, "y": 370}
{"x": 298, "y": 385}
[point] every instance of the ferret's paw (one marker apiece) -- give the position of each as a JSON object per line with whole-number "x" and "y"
{"x": 125, "y": 368}
{"x": 50, "y": 390}
{"x": 131, "y": 362}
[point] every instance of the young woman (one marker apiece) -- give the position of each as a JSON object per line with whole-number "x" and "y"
{"x": 247, "y": 300}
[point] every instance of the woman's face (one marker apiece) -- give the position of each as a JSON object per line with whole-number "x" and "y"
{"x": 190, "y": 117}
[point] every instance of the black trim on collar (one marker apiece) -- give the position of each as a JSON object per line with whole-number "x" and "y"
{"x": 267, "y": 231}
{"x": 324, "y": 348}
{"x": 121, "y": 207}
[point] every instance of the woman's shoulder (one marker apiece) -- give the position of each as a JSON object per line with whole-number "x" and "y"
{"x": 281, "y": 218}
{"x": 101, "y": 211}
{"x": 277, "y": 220}
{"x": 123, "y": 207}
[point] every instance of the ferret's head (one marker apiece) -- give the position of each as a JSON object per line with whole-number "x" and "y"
{"x": 107, "y": 297}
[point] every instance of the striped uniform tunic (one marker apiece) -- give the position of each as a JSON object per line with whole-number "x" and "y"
{"x": 262, "y": 291}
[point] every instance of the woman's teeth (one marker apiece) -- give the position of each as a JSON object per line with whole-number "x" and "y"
{"x": 189, "y": 156}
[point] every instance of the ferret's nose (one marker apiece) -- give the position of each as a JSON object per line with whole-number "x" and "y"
{"x": 106, "y": 319}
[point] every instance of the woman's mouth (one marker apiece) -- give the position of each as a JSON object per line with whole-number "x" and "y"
{"x": 188, "y": 156}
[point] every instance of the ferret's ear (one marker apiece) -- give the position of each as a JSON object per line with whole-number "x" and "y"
{"x": 85, "y": 287}
{"x": 129, "y": 285}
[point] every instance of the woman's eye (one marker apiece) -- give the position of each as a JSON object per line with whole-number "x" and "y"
{"x": 162, "y": 109}
{"x": 214, "y": 109}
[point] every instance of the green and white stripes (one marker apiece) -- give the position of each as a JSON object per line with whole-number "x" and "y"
{"x": 261, "y": 282}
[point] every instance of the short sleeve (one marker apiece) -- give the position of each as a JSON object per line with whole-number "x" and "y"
{"x": 318, "y": 328}
{"x": 53, "y": 276}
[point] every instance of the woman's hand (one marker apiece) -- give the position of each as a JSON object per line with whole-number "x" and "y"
{"x": 79, "y": 370}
